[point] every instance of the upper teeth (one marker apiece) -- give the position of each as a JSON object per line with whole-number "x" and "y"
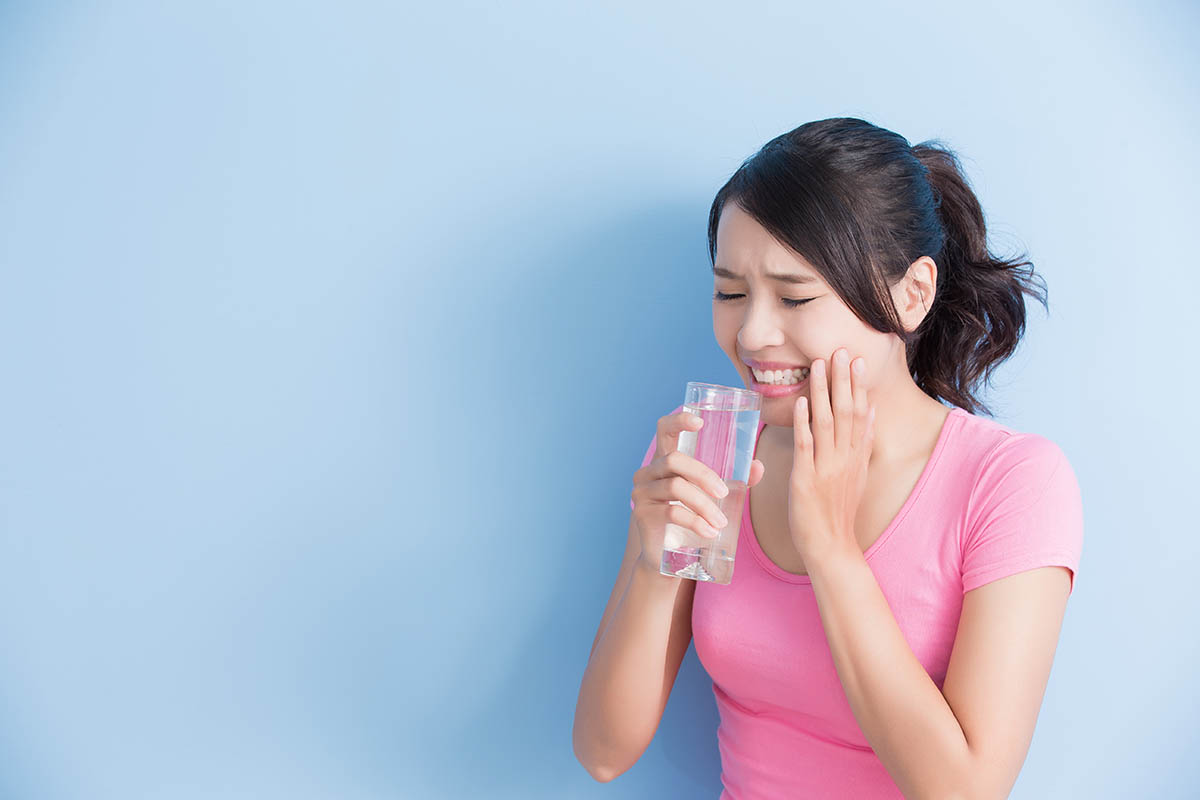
{"x": 781, "y": 376}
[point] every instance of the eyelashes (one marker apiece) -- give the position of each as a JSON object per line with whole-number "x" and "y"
{"x": 787, "y": 301}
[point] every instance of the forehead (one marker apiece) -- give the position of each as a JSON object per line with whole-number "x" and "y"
{"x": 746, "y": 249}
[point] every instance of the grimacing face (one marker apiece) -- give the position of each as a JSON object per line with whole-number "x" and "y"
{"x": 756, "y": 323}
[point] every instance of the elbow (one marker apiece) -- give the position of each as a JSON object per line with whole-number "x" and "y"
{"x": 944, "y": 793}
{"x": 599, "y": 773}
{"x": 955, "y": 785}
{"x": 594, "y": 767}
{"x": 972, "y": 787}
{"x": 604, "y": 765}
{"x": 607, "y": 754}
{"x": 985, "y": 779}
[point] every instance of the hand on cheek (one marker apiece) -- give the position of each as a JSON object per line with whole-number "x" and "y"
{"x": 831, "y": 449}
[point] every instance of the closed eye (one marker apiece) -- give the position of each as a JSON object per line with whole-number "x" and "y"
{"x": 787, "y": 301}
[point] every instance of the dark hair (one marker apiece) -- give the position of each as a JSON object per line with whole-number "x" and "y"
{"x": 860, "y": 205}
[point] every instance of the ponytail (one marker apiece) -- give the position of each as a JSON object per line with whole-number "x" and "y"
{"x": 978, "y": 313}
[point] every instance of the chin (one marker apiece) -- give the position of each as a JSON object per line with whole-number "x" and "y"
{"x": 781, "y": 415}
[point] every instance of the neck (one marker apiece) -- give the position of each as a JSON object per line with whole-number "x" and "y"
{"x": 902, "y": 424}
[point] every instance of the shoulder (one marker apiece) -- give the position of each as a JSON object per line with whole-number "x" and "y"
{"x": 1024, "y": 509}
{"x": 1026, "y": 462}
{"x": 1004, "y": 456}
{"x": 1023, "y": 485}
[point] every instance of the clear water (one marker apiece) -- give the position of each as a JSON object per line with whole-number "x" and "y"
{"x": 687, "y": 554}
{"x": 726, "y": 444}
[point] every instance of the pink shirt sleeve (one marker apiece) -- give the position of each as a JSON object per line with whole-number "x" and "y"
{"x": 1025, "y": 512}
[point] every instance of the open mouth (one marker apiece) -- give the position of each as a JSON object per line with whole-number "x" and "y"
{"x": 780, "y": 377}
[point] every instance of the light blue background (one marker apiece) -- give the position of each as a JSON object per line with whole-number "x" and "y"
{"x": 331, "y": 335}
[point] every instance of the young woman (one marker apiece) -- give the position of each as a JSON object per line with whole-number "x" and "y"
{"x": 903, "y": 566}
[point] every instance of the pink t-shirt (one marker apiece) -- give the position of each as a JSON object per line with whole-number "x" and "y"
{"x": 990, "y": 502}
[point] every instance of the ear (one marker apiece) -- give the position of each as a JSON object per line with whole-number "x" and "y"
{"x": 913, "y": 294}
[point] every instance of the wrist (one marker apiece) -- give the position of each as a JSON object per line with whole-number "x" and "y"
{"x": 651, "y": 570}
{"x": 834, "y": 559}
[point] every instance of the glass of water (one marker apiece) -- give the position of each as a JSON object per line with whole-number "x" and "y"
{"x": 725, "y": 442}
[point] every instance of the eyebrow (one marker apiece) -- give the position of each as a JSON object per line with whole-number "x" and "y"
{"x": 721, "y": 272}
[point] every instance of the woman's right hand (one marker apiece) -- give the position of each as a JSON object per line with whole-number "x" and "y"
{"x": 673, "y": 475}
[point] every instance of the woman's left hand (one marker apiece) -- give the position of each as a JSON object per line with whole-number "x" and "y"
{"x": 829, "y": 466}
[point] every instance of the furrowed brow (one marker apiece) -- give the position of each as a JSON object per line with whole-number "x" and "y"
{"x": 721, "y": 272}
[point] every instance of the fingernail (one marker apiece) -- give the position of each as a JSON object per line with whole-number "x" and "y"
{"x": 722, "y": 519}
{"x": 722, "y": 490}
{"x": 708, "y": 529}
{"x": 859, "y": 366}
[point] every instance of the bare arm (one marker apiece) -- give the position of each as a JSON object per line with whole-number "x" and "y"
{"x": 647, "y": 626}
{"x": 970, "y": 739}
{"x": 641, "y": 641}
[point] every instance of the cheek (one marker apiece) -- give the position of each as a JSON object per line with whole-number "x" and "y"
{"x": 726, "y": 325}
{"x": 866, "y": 380}
{"x": 875, "y": 358}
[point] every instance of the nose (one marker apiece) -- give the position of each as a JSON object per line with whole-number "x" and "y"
{"x": 759, "y": 332}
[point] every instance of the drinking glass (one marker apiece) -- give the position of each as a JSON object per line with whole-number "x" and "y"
{"x": 725, "y": 442}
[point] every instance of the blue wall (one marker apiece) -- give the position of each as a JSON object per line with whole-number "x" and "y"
{"x": 331, "y": 335}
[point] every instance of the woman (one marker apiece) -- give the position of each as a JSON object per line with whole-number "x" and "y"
{"x": 903, "y": 567}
